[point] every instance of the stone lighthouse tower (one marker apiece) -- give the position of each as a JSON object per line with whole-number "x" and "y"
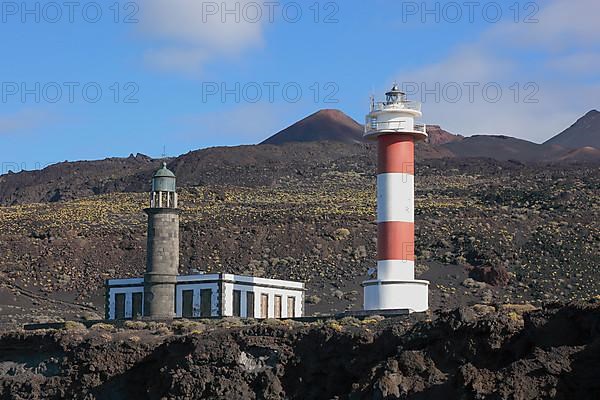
{"x": 392, "y": 125}
{"x": 162, "y": 260}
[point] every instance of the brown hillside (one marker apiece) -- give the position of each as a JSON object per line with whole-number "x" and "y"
{"x": 583, "y": 133}
{"x": 438, "y": 136}
{"x": 324, "y": 125}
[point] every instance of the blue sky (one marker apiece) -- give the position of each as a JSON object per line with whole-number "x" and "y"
{"x": 497, "y": 67}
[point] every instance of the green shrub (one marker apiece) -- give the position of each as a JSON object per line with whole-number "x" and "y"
{"x": 74, "y": 326}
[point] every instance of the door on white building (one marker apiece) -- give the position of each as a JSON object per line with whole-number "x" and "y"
{"x": 120, "y": 306}
{"x": 187, "y": 308}
{"x": 205, "y": 302}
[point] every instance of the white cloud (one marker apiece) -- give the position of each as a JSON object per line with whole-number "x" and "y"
{"x": 24, "y": 121}
{"x": 580, "y": 62}
{"x": 561, "y": 25}
{"x": 193, "y": 32}
{"x": 563, "y": 40}
{"x": 532, "y": 121}
{"x": 471, "y": 63}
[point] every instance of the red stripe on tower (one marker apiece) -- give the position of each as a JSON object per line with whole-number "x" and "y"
{"x": 395, "y": 241}
{"x": 396, "y": 153}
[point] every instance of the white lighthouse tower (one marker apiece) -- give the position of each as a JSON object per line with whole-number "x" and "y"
{"x": 392, "y": 125}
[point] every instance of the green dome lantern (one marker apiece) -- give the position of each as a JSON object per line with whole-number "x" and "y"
{"x": 163, "y": 194}
{"x": 164, "y": 180}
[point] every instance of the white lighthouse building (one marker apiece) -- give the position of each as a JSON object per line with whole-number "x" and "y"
{"x": 392, "y": 125}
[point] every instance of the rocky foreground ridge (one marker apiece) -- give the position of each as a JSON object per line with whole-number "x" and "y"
{"x": 477, "y": 352}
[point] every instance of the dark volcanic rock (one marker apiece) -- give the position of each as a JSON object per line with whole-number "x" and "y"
{"x": 496, "y": 275}
{"x": 551, "y": 353}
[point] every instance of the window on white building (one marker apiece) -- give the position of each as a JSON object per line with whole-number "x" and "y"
{"x": 277, "y": 306}
{"x": 250, "y": 304}
{"x": 291, "y": 307}
{"x": 137, "y": 300}
{"x": 237, "y": 303}
{"x": 264, "y": 306}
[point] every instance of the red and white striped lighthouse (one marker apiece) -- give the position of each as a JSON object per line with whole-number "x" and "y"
{"x": 392, "y": 125}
